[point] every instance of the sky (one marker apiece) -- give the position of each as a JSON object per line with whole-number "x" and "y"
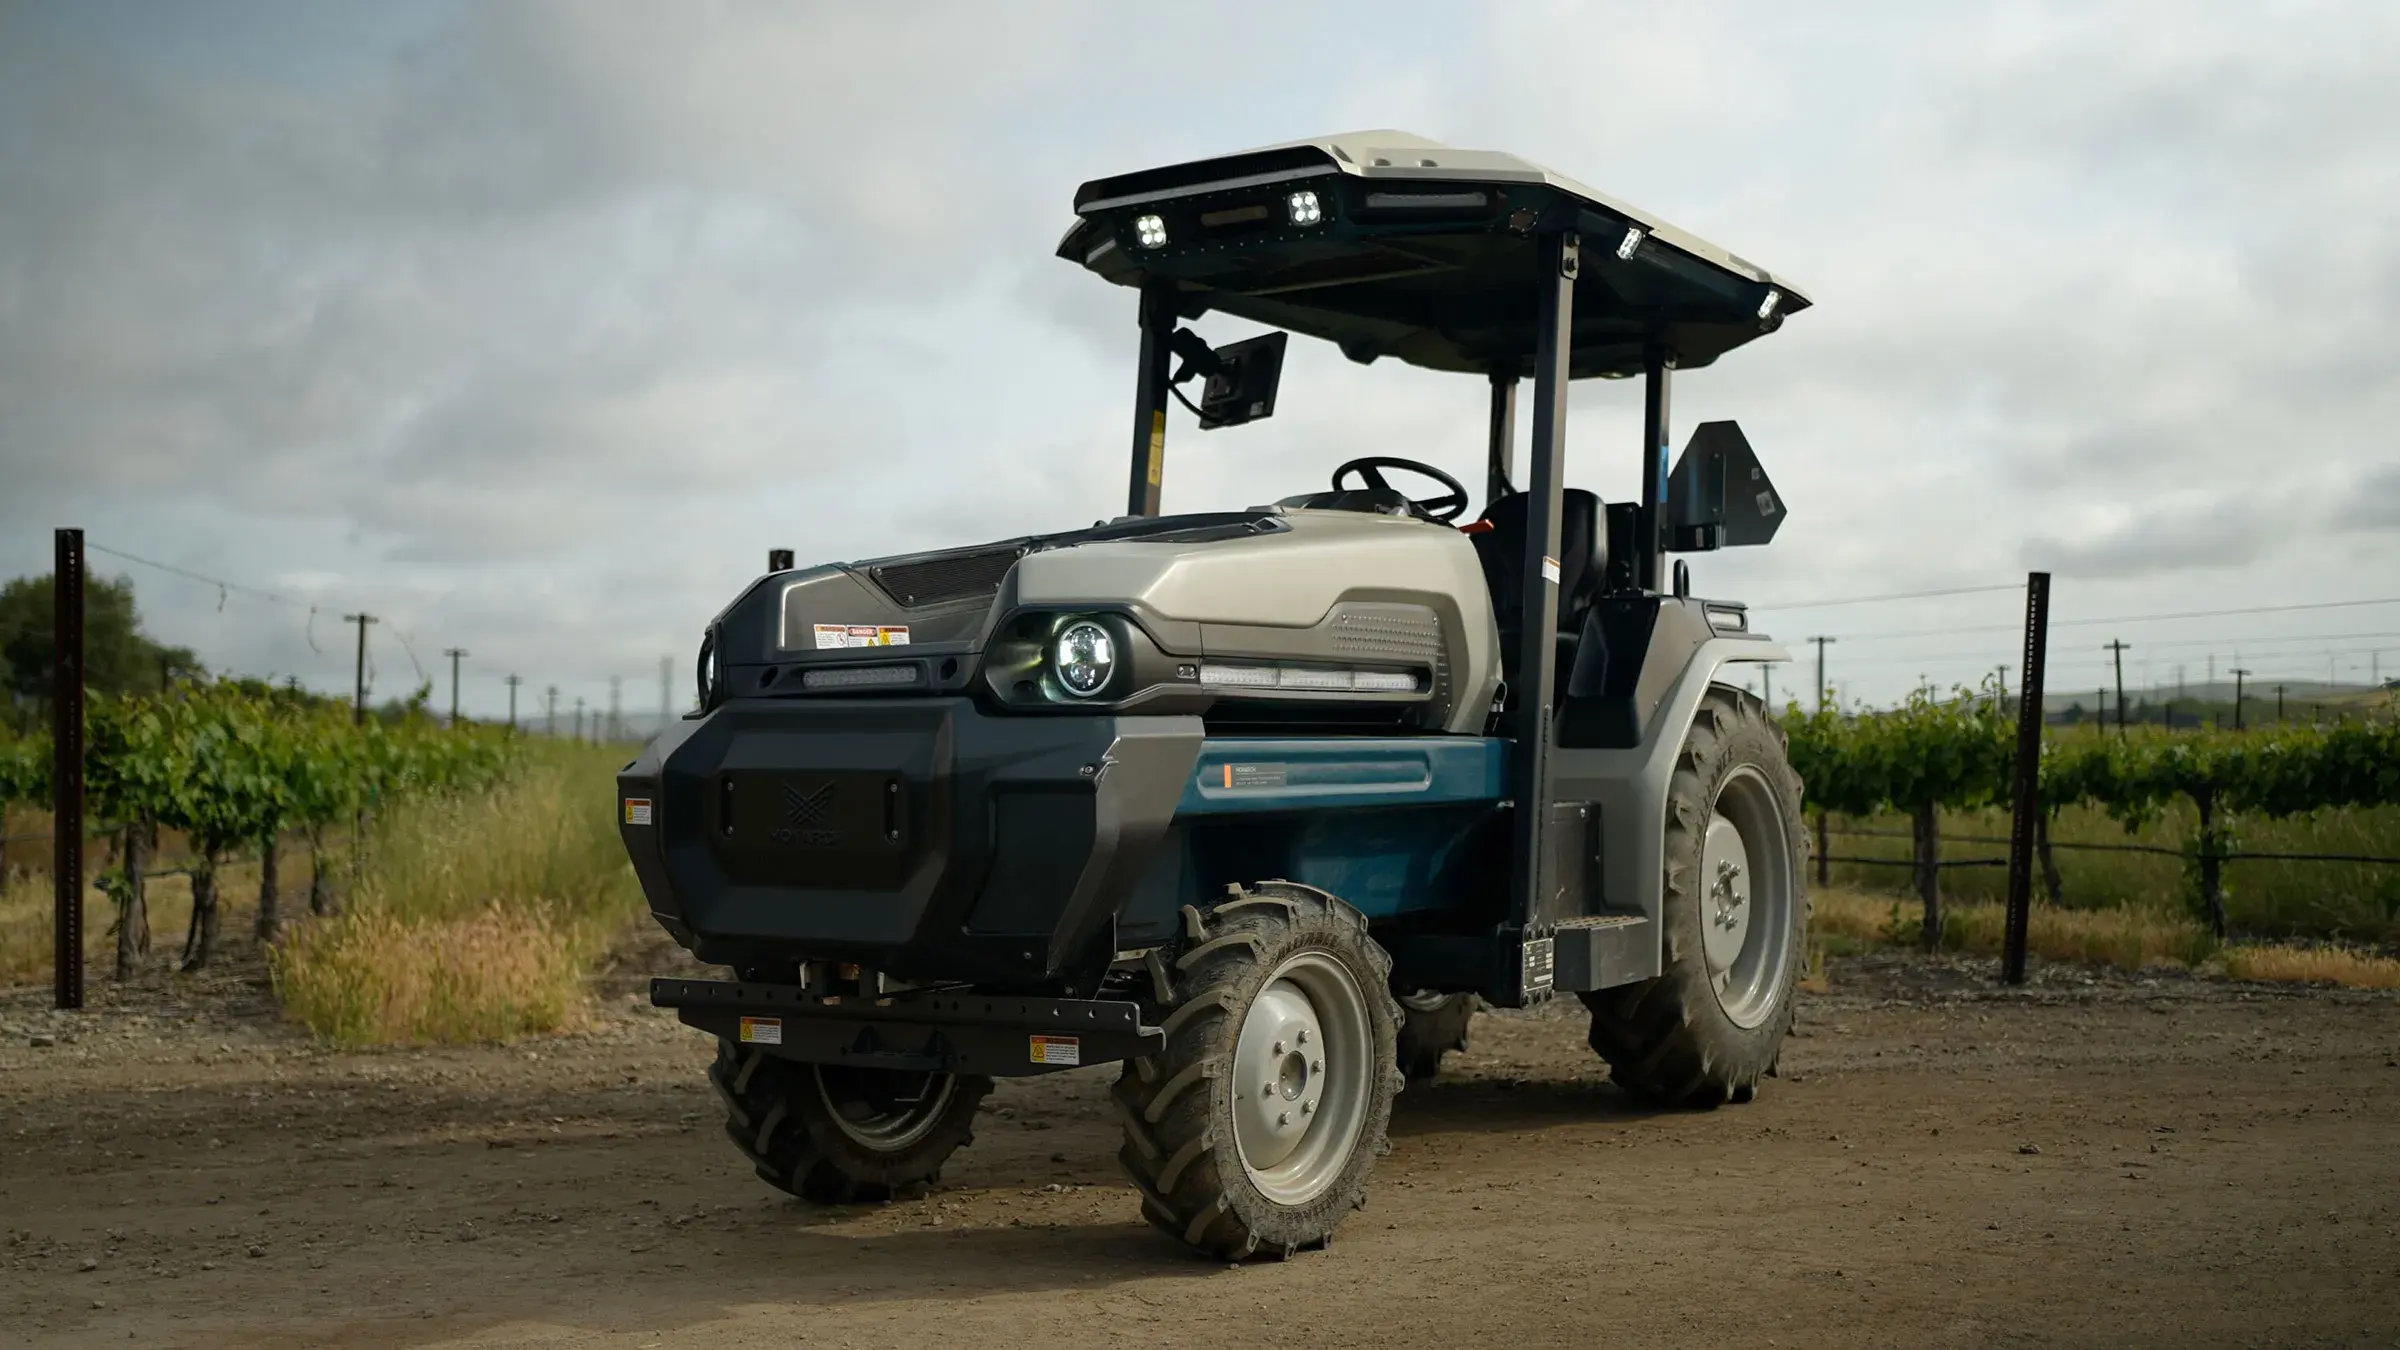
{"x": 532, "y": 327}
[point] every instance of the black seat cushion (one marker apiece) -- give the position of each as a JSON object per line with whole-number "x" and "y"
{"x": 1582, "y": 558}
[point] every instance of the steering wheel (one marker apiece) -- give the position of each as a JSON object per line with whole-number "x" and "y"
{"x": 1443, "y": 509}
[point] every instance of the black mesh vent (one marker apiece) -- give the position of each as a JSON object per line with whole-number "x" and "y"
{"x": 953, "y": 576}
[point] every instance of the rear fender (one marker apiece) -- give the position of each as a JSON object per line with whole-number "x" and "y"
{"x": 1629, "y": 786}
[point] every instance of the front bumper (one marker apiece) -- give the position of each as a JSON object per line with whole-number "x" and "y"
{"x": 930, "y": 1032}
{"x": 922, "y": 837}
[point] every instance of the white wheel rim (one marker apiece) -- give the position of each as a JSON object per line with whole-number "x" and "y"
{"x": 1302, "y": 1069}
{"x": 1747, "y": 898}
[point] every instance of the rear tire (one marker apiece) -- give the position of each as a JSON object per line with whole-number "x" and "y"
{"x": 838, "y": 1135}
{"x": 1257, "y": 1126}
{"x": 1735, "y": 909}
{"x": 1431, "y": 1026}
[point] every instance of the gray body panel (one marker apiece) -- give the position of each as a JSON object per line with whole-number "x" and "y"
{"x": 1336, "y": 586}
{"x": 1629, "y": 786}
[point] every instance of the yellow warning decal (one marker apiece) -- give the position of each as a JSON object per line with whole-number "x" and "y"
{"x": 1158, "y": 444}
{"x": 762, "y": 1031}
{"x": 1056, "y": 1050}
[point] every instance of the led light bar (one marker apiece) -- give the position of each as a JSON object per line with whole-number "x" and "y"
{"x": 1314, "y": 679}
{"x": 858, "y": 677}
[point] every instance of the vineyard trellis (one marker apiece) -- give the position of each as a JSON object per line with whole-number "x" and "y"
{"x": 1935, "y": 754}
{"x": 235, "y": 765}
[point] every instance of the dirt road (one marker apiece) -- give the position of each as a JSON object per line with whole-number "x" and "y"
{"x": 2086, "y": 1163}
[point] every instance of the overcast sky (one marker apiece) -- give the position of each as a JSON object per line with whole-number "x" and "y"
{"x": 532, "y": 327}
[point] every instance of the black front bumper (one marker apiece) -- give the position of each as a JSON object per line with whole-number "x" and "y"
{"x": 921, "y": 837}
{"x": 934, "y": 1032}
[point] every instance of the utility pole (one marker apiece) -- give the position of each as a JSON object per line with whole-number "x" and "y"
{"x": 2279, "y": 705}
{"x": 513, "y": 682}
{"x": 1822, "y": 644}
{"x": 358, "y": 705}
{"x": 454, "y": 653}
{"x": 579, "y": 718}
{"x": 2238, "y": 675}
{"x": 2116, "y": 649}
{"x": 616, "y": 707}
{"x": 2003, "y": 672}
{"x": 550, "y": 714}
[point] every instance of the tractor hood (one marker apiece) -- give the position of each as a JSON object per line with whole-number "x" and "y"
{"x": 1317, "y": 592}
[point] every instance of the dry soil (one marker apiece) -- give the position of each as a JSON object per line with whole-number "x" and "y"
{"x": 2091, "y": 1161}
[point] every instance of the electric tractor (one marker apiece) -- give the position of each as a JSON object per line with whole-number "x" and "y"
{"x": 1258, "y": 805}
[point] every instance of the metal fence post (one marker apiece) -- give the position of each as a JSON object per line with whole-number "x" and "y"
{"x": 2026, "y": 800}
{"x": 66, "y": 745}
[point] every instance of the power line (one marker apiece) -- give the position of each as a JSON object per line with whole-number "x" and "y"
{"x": 219, "y": 582}
{"x": 1880, "y": 599}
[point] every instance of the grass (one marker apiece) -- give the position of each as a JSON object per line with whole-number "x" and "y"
{"x": 2127, "y": 937}
{"x": 479, "y": 916}
{"x": 2312, "y": 965}
{"x": 2340, "y": 902}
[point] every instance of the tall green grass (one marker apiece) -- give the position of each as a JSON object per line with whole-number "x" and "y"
{"x": 478, "y": 916}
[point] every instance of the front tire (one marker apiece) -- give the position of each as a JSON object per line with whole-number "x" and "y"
{"x": 1735, "y": 908}
{"x": 836, "y": 1134}
{"x": 1256, "y": 1127}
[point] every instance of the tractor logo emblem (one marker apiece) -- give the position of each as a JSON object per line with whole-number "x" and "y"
{"x": 803, "y": 813}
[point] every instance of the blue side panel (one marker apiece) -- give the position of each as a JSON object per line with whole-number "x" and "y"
{"x": 1239, "y": 774}
{"x": 1394, "y": 825}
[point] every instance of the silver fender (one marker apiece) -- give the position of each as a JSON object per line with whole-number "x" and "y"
{"x": 1630, "y": 788}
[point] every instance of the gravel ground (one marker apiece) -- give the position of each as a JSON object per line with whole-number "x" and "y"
{"x": 2093, "y": 1160}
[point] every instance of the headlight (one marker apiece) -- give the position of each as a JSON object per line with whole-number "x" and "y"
{"x": 708, "y": 671}
{"x": 1083, "y": 656}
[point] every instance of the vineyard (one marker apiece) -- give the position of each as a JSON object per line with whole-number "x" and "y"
{"x": 460, "y": 881}
{"x": 1932, "y": 756}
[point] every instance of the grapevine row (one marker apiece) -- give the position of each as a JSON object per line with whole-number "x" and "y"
{"x": 1931, "y": 755}
{"x": 234, "y": 765}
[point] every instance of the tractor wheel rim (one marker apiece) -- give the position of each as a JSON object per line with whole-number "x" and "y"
{"x": 1301, "y": 1074}
{"x": 885, "y": 1116}
{"x": 1746, "y": 898}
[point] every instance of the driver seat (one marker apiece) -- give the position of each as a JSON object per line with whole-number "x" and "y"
{"x": 1583, "y": 559}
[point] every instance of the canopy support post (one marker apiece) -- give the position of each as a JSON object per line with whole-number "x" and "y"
{"x": 1537, "y": 640}
{"x": 1658, "y": 369}
{"x": 1150, "y": 400}
{"x": 1503, "y": 437}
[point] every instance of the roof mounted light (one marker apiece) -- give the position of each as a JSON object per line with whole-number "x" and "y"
{"x": 1632, "y": 240}
{"x": 1766, "y": 307}
{"x": 1305, "y": 208}
{"x": 1150, "y": 231}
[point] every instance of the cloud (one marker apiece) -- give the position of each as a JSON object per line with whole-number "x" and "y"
{"x": 536, "y": 324}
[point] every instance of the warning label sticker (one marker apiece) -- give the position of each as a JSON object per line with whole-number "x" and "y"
{"x": 637, "y": 810}
{"x": 1255, "y": 775}
{"x": 1057, "y": 1050}
{"x": 1550, "y": 570}
{"x": 837, "y": 636}
{"x": 762, "y": 1031}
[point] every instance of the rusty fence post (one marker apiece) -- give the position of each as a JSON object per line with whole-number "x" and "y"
{"x": 2026, "y": 800}
{"x": 66, "y": 745}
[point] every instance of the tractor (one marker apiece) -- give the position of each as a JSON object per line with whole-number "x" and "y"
{"x": 1259, "y": 805}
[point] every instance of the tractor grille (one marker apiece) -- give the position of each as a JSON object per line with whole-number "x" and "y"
{"x": 946, "y": 577}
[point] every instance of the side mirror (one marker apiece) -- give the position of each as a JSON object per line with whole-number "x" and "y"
{"x": 1241, "y": 378}
{"x": 1718, "y": 496}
